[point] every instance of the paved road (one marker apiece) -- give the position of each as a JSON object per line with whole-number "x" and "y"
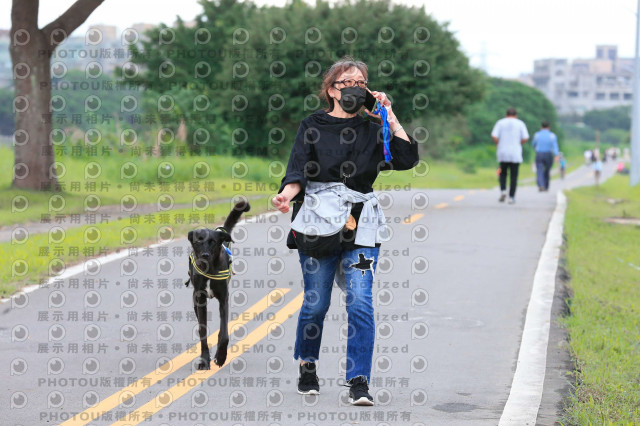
{"x": 451, "y": 291}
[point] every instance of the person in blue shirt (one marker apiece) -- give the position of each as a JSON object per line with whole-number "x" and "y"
{"x": 545, "y": 142}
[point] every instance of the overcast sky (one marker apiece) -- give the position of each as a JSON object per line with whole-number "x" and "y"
{"x": 511, "y": 33}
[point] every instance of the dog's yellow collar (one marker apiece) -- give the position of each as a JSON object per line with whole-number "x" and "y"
{"x": 221, "y": 275}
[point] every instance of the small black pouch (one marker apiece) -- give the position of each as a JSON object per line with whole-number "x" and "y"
{"x": 312, "y": 245}
{"x": 291, "y": 241}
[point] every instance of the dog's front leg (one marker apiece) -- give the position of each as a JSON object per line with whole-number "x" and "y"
{"x": 223, "y": 335}
{"x": 200, "y": 305}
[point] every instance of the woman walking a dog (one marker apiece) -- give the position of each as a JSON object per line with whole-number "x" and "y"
{"x": 337, "y": 223}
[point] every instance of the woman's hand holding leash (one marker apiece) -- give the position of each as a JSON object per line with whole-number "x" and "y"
{"x": 385, "y": 102}
{"x": 394, "y": 125}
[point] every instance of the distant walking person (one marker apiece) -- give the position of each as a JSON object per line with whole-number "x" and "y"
{"x": 597, "y": 168}
{"x": 509, "y": 133}
{"x": 545, "y": 143}
{"x": 563, "y": 165}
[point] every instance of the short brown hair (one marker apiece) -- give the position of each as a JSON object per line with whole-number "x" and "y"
{"x": 329, "y": 77}
{"x": 511, "y": 112}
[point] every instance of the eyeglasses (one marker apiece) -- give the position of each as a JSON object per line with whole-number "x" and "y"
{"x": 351, "y": 82}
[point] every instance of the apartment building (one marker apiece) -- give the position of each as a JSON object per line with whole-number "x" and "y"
{"x": 579, "y": 85}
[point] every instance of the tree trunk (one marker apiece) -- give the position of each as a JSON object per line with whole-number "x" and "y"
{"x": 34, "y": 155}
{"x": 31, "y": 49}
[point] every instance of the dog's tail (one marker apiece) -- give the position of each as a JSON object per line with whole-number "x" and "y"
{"x": 240, "y": 207}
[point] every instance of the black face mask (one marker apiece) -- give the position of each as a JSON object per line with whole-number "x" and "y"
{"x": 352, "y": 98}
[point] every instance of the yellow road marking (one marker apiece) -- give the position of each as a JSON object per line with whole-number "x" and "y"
{"x": 459, "y": 198}
{"x": 166, "y": 398}
{"x": 109, "y": 403}
{"x": 441, "y": 205}
{"x": 413, "y": 218}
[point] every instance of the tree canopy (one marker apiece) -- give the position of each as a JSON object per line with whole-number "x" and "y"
{"x": 243, "y": 77}
{"x": 611, "y": 118}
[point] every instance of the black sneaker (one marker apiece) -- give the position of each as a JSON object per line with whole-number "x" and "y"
{"x": 308, "y": 380}
{"x": 359, "y": 391}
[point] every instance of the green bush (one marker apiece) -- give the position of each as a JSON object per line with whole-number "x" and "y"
{"x": 578, "y": 131}
{"x": 446, "y": 135}
{"x": 481, "y": 155}
{"x": 616, "y": 136}
{"x": 468, "y": 167}
{"x": 610, "y": 118}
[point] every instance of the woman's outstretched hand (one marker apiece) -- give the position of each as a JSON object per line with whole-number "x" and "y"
{"x": 281, "y": 202}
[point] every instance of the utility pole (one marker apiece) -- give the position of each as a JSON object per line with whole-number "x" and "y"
{"x": 635, "y": 119}
{"x": 483, "y": 56}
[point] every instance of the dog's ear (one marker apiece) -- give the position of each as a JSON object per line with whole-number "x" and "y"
{"x": 226, "y": 237}
{"x": 190, "y": 236}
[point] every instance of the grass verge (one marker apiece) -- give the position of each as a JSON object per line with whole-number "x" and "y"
{"x": 89, "y": 180}
{"x": 603, "y": 261}
{"x": 40, "y": 256}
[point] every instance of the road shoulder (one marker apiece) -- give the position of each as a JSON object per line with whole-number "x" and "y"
{"x": 557, "y": 381}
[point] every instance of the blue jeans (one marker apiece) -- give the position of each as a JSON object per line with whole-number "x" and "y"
{"x": 353, "y": 271}
{"x": 544, "y": 161}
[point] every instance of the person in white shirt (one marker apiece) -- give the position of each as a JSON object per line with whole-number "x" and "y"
{"x": 509, "y": 134}
{"x": 587, "y": 157}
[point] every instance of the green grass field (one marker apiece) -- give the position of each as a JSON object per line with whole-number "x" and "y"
{"x": 177, "y": 177}
{"x": 603, "y": 261}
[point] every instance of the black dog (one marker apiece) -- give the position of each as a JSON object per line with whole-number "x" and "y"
{"x": 213, "y": 266}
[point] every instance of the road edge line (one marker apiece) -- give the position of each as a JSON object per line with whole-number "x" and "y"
{"x": 525, "y": 395}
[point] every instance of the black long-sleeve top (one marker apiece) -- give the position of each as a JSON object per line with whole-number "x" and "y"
{"x": 326, "y": 146}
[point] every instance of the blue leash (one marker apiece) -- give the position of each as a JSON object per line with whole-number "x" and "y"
{"x": 386, "y": 131}
{"x": 226, "y": 248}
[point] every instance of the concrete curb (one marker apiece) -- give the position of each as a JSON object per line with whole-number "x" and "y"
{"x": 528, "y": 381}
